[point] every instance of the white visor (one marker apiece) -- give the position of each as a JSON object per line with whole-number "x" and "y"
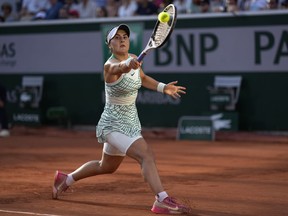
{"x": 111, "y": 34}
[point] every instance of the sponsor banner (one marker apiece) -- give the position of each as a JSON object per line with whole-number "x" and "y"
{"x": 245, "y": 49}
{"x": 27, "y": 117}
{"x": 195, "y": 128}
{"x": 204, "y": 127}
{"x": 51, "y": 53}
{"x": 189, "y": 50}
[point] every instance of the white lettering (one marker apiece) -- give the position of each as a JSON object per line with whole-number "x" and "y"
{"x": 25, "y": 117}
{"x": 151, "y": 97}
{"x": 220, "y": 98}
{"x": 196, "y": 130}
{"x": 8, "y": 63}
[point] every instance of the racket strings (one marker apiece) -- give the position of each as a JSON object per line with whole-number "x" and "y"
{"x": 161, "y": 33}
{"x": 163, "y": 29}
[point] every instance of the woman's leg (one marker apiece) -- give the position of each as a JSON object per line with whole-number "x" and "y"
{"x": 142, "y": 153}
{"x": 108, "y": 164}
{"x": 164, "y": 204}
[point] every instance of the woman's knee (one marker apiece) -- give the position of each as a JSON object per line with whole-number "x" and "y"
{"x": 110, "y": 164}
{"x": 141, "y": 152}
{"x": 108, "y": 168}
{"x": 146, "y": 157}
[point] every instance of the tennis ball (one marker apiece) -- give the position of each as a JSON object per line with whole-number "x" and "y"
{"x": 163, "y": 17}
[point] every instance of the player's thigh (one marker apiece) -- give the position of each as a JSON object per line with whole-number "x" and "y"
{"x": 140, "y": 150}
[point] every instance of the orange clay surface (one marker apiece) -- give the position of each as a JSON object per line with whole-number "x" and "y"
{"x": 239, "y": 174}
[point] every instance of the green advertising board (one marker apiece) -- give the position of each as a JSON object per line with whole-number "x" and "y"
{"x": 195, "y": 128}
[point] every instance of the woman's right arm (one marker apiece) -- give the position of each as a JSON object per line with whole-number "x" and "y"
{"x": 113, "y": 70}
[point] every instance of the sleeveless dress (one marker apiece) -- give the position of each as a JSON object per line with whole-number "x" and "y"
{"x": 120, "y": 112}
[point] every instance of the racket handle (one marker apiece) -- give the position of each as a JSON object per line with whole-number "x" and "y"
{"x": 141, "y": 56}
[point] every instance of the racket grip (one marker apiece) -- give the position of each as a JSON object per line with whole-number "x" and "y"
{"x": 141, "y": 57}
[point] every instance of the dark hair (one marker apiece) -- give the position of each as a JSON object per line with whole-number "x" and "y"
{"x": 103, "y": 10}
{"x": 6, "y": 5}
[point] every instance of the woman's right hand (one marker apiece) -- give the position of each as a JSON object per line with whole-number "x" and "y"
{"x": 133, "y": 63}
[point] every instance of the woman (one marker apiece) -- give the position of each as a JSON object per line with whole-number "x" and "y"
{"x": 119, "y": 126}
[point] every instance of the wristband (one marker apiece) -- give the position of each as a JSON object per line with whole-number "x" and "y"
{"x": 160, "y": 87}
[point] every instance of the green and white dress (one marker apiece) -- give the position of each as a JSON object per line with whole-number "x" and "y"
{"x": 120, "y": 113}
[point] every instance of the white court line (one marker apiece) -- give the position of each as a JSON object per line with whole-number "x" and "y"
{"x": 26, "y": 213}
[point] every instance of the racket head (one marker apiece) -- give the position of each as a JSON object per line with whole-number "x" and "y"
{"x": 161, "y": 32}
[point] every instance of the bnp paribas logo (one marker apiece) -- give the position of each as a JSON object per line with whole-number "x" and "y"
{"x": 7, "y": 54}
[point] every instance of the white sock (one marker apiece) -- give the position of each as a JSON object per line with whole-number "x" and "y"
{"x": 69, "y": 180}
{"x": 161, "y": 196}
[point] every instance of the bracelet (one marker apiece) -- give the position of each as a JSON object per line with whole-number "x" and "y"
{"x": 160, "y": 87}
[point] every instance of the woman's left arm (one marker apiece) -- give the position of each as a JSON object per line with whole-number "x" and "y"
{"x": 170, "y": 89}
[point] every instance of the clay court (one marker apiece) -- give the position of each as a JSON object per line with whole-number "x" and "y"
{"x": 239, "y": 174}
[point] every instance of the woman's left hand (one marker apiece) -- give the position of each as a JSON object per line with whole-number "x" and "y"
{"x": 173, "y": 90}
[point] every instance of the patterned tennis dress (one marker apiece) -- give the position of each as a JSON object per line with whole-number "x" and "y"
{"x": 120, "y": 113}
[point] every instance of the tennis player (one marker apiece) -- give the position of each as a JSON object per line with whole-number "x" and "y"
{"x": 119, "y": 127}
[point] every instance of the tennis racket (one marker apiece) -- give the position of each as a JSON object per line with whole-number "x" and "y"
{"x": 161, "y": 32}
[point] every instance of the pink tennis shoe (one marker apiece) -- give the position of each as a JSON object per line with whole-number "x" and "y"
{"x": 169, "y": 206}
{"x": 59, "y": 185}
